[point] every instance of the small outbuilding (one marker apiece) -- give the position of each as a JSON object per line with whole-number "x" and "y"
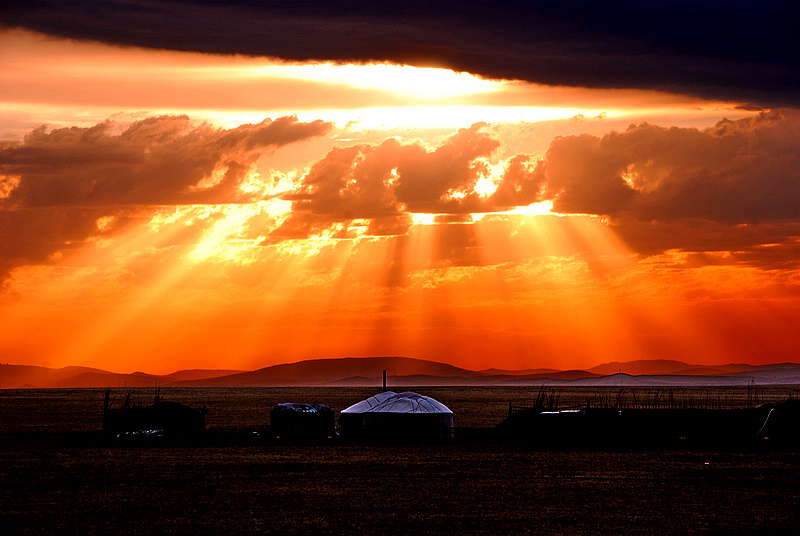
{"x": 163, "y": 419}
{"x": 397, "y": 416}
{"x": 302, "y": 421}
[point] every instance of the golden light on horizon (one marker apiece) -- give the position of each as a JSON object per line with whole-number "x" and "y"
{"x": 324, "y": 288}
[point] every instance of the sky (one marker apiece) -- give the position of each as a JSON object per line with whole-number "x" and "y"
{"x": 516, "y": 186}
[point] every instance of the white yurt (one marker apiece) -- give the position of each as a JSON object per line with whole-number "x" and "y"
{"x": 401, "y": 416}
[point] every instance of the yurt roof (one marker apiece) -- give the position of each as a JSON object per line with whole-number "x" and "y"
{"x": 391, "y": 402}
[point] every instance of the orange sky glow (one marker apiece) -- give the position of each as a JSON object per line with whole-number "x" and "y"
{"x": 164, "y": 210}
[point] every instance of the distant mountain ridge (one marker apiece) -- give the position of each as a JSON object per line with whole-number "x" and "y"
{"x": 666, "y": 366}
{"x": 406, "y": 371}
{"x": 29, "y": 376}
{"x": 321, "y": 371}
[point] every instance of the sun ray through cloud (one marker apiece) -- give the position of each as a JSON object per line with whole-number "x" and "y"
{"x": 268, "y": 207}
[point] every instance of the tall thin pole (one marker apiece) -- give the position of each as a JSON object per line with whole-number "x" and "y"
{"x": 384, "y": 381}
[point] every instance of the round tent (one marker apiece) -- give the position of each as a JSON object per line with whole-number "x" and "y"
{"x": 397, "y": 416}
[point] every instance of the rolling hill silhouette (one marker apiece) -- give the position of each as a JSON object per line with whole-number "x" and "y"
{"x": 324, "y": 371}
{"x": 29, "y": 376}
{"x": 406, "y": 371}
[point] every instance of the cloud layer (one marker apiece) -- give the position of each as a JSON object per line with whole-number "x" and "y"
{"x": 735, "y": 172}
{"x": 158, "y": 161}
{"x": 56, "y": 185}
{"x": 741, "y": 171}
{"x": 733, "y": 187}
{"x": 739, "y": 50}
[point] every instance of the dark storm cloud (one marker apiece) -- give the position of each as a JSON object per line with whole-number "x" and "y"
{"x": 733, "y": 49}
{"x": 55, "y": 185}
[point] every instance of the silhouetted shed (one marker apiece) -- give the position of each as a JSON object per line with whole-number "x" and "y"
{"x": 399, "y": 416}
{"x": 162, "y": 419}
{"x": 302, "y": 421}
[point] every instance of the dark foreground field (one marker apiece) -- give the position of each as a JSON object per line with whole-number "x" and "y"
{"x": 58, "y": 477}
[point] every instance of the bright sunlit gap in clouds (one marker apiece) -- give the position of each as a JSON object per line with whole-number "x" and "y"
{"x": 425, "y": 82}
{"x": 99, "y": 81}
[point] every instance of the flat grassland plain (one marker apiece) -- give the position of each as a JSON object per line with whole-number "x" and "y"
{"x": 57, "y": 475}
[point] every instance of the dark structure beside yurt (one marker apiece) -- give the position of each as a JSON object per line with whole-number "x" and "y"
{"x": 302, "y": 421}
{"x": 399, "y": 417}
{"x": 162, "y": 419}
{"x": 589, "y": 426}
